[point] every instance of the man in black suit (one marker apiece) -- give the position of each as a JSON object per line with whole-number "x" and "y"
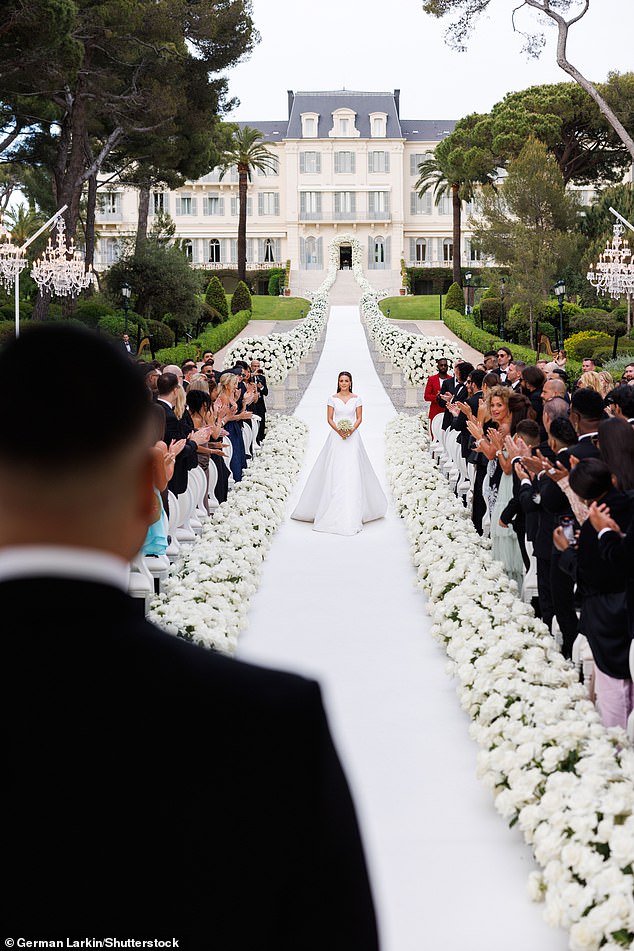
{"x": 259, "y": 407}
{"x": 175, "y": 431}
{"x": 186, "y": 795}
{"x": 454, "y": 390}
{"x": 514, "y": 375}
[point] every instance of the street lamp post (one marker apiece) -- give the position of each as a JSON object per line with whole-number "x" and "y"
{"x": 502, "y": 312}
{"x": 560, "y": 291}
{"x": 467, "y": 278}
{"x": 126, "y": 292}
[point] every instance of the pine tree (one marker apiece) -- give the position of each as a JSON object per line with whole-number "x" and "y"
{"x": 241, "y": 299}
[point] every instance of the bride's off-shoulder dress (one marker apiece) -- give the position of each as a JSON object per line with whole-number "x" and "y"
{"x": 342, "y": 491}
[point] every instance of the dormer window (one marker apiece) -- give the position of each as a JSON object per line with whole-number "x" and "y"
{"x": 309, "y": 125}
{"x": 343, "y": 124}
{"x": 378, "y": 124}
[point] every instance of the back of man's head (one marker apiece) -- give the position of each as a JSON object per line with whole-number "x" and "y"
{"x": 463, "y": 370}
{"x": 555, "y": 407}
{"x": 588, "y": 404}
{"x": 61, "y": 477}
{"x": 166, "y": 383}
{"x": 477, "y": 377}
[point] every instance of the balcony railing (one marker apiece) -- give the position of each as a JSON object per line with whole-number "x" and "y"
{"x": 233, "y": 265}
{"x": 311, "y": 216}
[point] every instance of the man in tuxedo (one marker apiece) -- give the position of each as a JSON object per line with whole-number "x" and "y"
{"x": 504, "y": 356}
{"x": 433, "y": 387}
{"x": 189, "y": 369}
{"x": 454, "y": 390}
{"x": 175, "y": 431}
{"x": 554, "y": 388}
{"x": 188, "y": 796}
{"x": 126, "y": 344}
{"x": 514, "y": 375}
{"x": 259, "y": 407}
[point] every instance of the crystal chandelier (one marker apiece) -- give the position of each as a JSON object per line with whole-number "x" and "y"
{"x": 61, "y": 269}
{"x": 613, "y": 274}
{"x": 12, "y": 259}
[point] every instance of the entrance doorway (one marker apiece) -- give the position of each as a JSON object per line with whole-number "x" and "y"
{"x": 345, "y": 257}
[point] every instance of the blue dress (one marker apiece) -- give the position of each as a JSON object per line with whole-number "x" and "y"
{"x": 156, "y": 539}
{"x": 239, "y": 456}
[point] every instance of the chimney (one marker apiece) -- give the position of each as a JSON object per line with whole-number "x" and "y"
{"x": 397, "y": 100}
{"x": 291, "y": 97}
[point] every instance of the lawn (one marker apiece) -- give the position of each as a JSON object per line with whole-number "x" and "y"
{"x": 276, "y": 308}
{"x": 421, "y": 307}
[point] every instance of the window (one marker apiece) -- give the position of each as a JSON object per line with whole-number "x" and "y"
{"x": 214, "y": 251}
{"x": 379, "y": 251}
{"x": 473, "y": 253}
{"x": 235, "y": 206}
{"x": 343, "y": 124}
{"x": 447, "y": 250}
{"x": 110, "y": 250}
{"x": 310, "y": 206}
{"x": 345, "y": 162}
{"x": 270, "y": 172}
{"x": 269, "y": 250}
{"x": 185, "y": 205}
{"x": 158, "y": 203}
{"x": 345, "y": 206}
{"x": 311, "y": 253}
{"x": 420, "y": 206}
{"x": 421, "y": 250}
{"x": 188, "y": 248}
{"x": 268, "y": 203}
{"x": 309, "y": 125}
{"x": 378, "y": 205}
{"x": 213, "y": 205}
{"x": 378, "y": 124}
{"x": 310, "y": 162}
{"x": 110, "y": 203}
{"x": 378, "y": 161}
{"x": 444, "y": 205}
{"x": 344, "y": 128}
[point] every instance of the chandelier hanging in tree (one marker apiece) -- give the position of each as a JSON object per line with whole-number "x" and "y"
{"x": 12, "y": 259}
{"x": 62, "y": 269}
{"x": 613, "y": 273}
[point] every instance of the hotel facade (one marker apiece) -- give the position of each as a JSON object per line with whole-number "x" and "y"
{"x": 346, "y": 163}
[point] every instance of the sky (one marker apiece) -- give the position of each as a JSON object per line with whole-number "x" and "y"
{"x": 379, "y": 45}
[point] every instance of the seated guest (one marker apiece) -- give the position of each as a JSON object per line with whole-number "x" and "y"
{"x": 109, "y": 758}
{"x": 602, "y": 588}
{"x": 259, "y": 406}
{"x": 156, "y": 540}
{"x": 620, "y": 402}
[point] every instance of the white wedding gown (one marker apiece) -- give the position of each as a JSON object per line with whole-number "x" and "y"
{"x": 342, "y": 491}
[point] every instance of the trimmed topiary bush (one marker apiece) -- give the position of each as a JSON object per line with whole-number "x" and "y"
{"x": 275, "y": 282}
{"x": 599, "y": 322}
{"x": 490, "y": 310}
{"x": 241, "y": 299}
{"x": 216, "y": 299}
{"x": 455, "y": 298}
{"x": 114, "y": 325}
{"x": 162, "y": 335}
{"x": 91, "y": 310}
{"x": 583, "y": 344}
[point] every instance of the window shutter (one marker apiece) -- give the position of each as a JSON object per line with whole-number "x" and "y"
{"x": 302, "y": 252}
{"x": 388, "y": 253}
{"x": 225, "y": 250}
{"x": 370, "y": 252}
{"x": 260, "y": 204}
{"x": 440, "y": 249}
{"x": 412, "y": 164}
{"x": 386, "y": 202}
{"x": 412, "y": 249}
{"x": 194, "y": 206}
{"x": 337, "y": 203}
{"x": 427, "y": 203}
{"x": 234, "y": 249}
{"x": 261, "y": 249}
{"x": 234, "y": 206}
{"x": 249, "y": 249}
{"x": 337, "y": 162}
{"x": 371, "y": 203}
{"x": 166, "y": 202}
{"x": 302, "y": 203}
{"x": 206, "y": 206}
{"x": 302, "y": 162}
{"x": 318, "y": 162}
{"x": 387, "y": 161}
{"x": 412, "y": 203}
{"x": 353, "y": 202}
{"x": 370, "y": 161}
{"x": 320, "y": 252}
{"x": 278, "y": 249}
{"x": 178, "y": 206}
{"x": 277, "y": 203}
{"x": 221, "y": 206}
{"x": 318, "y": 206}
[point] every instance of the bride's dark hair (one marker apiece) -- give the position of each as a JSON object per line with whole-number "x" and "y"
{"x": 344, "y": 373}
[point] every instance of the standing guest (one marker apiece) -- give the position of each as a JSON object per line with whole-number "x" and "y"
{"x": 126, "y": 344}
{"x": 168, "y": 394}
{"x": 560, "y": 358}
{"x": 590, "y": 380}
{"x": 606, "y": 382}
{"x": 554, "y": 388}
{"x": 189, "y": 370}
{"x": 504, "y": 356}
{"x": 151, "y": 375}
{"x": 490, "y": 359}
{"x": 514, "y": 374}
{"x": 588, "y": 365}
{"x": 200, "y": 382}
{"x": 541, "y": 365}
{"x": 226, "y": 408}
{"x": 103, "y": 693}
{"x": 433, "y": 387}
{"x": 259, "y": 407}
{"x": 207, "y": 370}
{"x": 628, "y": 373}
{"x": 469, "y": 410}
{"x": 527, "y": 438}
{"x": 620, "y": 402}
{"x": 176, "y": 370}
{"x": 454, "y": 390}
{"x": 532, "y": 382}
{"x": 602, "y": 587}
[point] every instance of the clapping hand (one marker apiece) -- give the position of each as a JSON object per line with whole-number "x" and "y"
{"x": 516, "y": 446}
{"x": 600, "y": 518}
{"x": 557, "y": 472}
{"x": 475, "y": 429}
{"x": 520, "y": 471}
{"x": 464, "y": 408}
{"x": 201, "y": 436}
{"x": 176, "y": 446}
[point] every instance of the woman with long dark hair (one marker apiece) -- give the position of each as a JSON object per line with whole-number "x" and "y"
{"x": 342, "y": 491}
{"x": 616, "y": 445}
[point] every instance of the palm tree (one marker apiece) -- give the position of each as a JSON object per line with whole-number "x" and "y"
{"x": 23, "y": 221}
{"x": 457, "y": 168}
{"x": 247, "y": 152}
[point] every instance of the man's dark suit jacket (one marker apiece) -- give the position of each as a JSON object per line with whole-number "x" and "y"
{"x": 459, "y": 394}
{"x": 157, "y": 789}
{"x": 618, "y": 550}
{"x": 186, "y": 459}
{"x": 460, "y": 423}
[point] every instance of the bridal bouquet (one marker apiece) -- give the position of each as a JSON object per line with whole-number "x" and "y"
{"x": 344, "y": 426}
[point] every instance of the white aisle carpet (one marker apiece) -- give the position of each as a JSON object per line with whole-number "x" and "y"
{"x": 447, "y": 873}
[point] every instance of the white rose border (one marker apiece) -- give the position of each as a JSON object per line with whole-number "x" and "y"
{"x": 207, "y": 598}
{"x": 555, "y": 771}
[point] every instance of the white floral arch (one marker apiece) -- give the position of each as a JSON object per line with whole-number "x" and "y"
{"x": 335, "y": 244}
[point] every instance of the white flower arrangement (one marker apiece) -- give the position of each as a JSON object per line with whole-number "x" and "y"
{"x": 206, "y": 600}
{"x": 555, "y": 771}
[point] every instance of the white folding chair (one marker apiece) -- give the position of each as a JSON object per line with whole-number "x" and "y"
{"x": 141, "y": 582}
{"x": 630, "y": 719}
{"x": 173, "y": 549}
{"x": 184, "y": 531}
{"x": 212, "y": 481}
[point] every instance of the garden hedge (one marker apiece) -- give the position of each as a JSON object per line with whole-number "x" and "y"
{"x": 214, "y": 338}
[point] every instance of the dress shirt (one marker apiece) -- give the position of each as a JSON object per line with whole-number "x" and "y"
{"x": 63, "y": 561}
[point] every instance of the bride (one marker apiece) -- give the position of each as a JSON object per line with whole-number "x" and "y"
{"x": 342, "y": 491}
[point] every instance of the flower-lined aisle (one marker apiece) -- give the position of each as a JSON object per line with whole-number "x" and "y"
{"x": 206, "y": 600}
{"x": 553, "y": 768}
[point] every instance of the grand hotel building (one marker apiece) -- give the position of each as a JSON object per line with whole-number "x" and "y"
{"x": 345, "y": 163}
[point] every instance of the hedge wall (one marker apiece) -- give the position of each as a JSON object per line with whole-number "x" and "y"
{"x": 214, "y": 338}
{"x": 483, "y": 341}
